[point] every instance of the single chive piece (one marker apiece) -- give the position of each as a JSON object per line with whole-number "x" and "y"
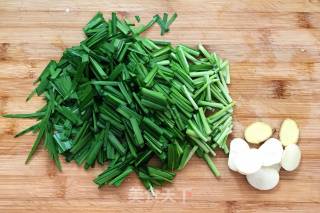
{"x": 138, "y": 49}
{"x": 107, "y": 114}
{"x": 118, "y": 180}
{"x": 198, "y": 122}
{"x": 132, "y": 147}
{"x": 137, "y": 99}
{"x": 225, "y": 66}
{"x": 172, "y": 157}
{"x": 147, "y": 26}
{"x": 183, "y": 110}
{"x": 42, "y": 87}
{"x": 163, "y": 62}
{"x": 122, "y": 53}
{"x": 31, "y": 95}
{"x": 227, "y": 123}
{"x": 161, "y": 51}
{"x": 137, "y": 132}
{"x": 153, "y": 144}
{"x": 221, "y": 121}
{"x": 183, "y": 106}
{"x": 191, "y": 58}
{"x": 188, "y": 95}
{"x": 105, "y": 83}
{"x": 225, "y": 93}
{"x": 143, "y": 157}
{"x": 115, "y": 92}
{"x": 203, "y": 88}
{"x": 97, "y": 143}
{"x": 125, "y": 93}
{"x": 201, "y": 144}
{"x": 208, "y": 94}
{"x": 225, "y": 146}
{"x": 137, "y": 18}
{"x": 114, "y": 100}
{"x": 182, "y": 59}
{"x": 172, "y": 19}
{"x": 187, "y": 155}
{"x": 192, "y": 133}
{"x": 149, "y": 78}
{"x": 220, "y": 113}
{"x": 162, "y": 24}
{"x": 211, "y": 165}
{"x": 160, "y": 59}
{"x": 116, "y": 143}
{"x": 197, "y": 131}
{"x": 177, "y": 116}
{"x": 141, "y": 71}
{"x": 95, "y": 123}
{"x": 178, "y": 148}
{"x": 157, "y": 97}
{"x": 223, "y": 134}
{"x": 165, "y": 175}
{"x": 174, "y": 56}
{"x": 210, "y": 104}
{"x": 204, "y": 121}
{"x": 43, "y": 126}
{"x": 164, "y": 77}
{"x": 183, "y": 76}
{"x": 29, "y": 129}
{"x": 96, "y": 38}
{"x": 114, "y": 20}
{"x": 149, "y": 44}
{"x": 152, "y": 105}
{"x": 52, "y": 65}
{"x": 200, "y": 74}
{"x": 81, "y": 143}
{"x": 206, "y": 53}
{"x": 190, "y": 50}
{"x": 52, "y": 149}
{"x": 94, "y": 22}
{"x": 117, "y": 71}
{"x": 165, "y": 17}
{"x": 98, "y": 69}
{"x": 107, "y": 176}
{"x": 181, "y": 100}
{"x": 161, "y": 43}
{"x": 69, "y": 114}
{"x": 123, "y": 27}
{"x": 216, "y": 93}
{"x": 29, "y": 116}
{"x": 200, "y": 66}
{"x": 153, "y": 126}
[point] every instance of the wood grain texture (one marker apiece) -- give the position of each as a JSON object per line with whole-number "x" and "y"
{"x": 274, "y": 50}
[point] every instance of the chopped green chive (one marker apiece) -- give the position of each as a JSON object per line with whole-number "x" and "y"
{"x": 137, "y": 18}
{"x": 182, "y": 59}
{"x": 137, "y": 131}
{"x": 211, "y": 165}
{"x": 186, "y": 92}
{"x": 121, "y": 98}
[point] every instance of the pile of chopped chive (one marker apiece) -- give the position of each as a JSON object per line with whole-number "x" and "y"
{"x": 124, "y": 99}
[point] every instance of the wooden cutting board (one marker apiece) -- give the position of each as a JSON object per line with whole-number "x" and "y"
{"x": 274, "y": 50}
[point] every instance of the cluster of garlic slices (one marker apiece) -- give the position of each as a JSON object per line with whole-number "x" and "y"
{"x": 261, "y": 166}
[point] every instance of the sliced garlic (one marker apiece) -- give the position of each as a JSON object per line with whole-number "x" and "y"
{"x": 291, "y": 157}
{"x": 271, "y": 152}
{"x": 248, "y": 162}
{"x": 265, "y": 179}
